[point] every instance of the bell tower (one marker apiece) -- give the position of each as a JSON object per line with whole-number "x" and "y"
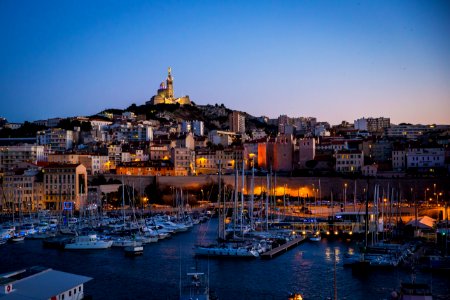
{"x": 169, "y": 84}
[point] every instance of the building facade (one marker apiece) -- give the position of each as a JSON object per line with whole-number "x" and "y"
{"x": 11, "y": 156}
{"x": 237, "y": 122}
{"x": 349, "y": 161}
{"x": 64, "y": 184}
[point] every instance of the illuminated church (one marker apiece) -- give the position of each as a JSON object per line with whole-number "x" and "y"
{"x": 165, "y": 93}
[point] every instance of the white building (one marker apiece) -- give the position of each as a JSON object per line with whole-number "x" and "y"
{"x": 140, "y": 133}
{"x": 42, "y": 283}
{"x": 13, "y": 125}
{"x": 198, "y": 128}
{"x": 425, "y": 158}
{"x": 95, "y": 164}
{"x": 183, "y": 160}
{"x": 11, "y": 156}
{"x": 398, "y": 160}
{"x": 56, "y": 138}
{"x": 372, "y": 124}
{"x": 221, "y": 137}
{"x": 408, "y": 131}
{"x": 101, "y": 124}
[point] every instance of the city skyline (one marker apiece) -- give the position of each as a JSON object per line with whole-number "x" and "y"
{"x": 331, "y": 60}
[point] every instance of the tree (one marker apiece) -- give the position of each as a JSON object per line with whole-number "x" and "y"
{"x": 153, "y": 193}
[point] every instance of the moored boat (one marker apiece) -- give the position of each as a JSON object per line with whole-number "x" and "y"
{"x": 88, "y": 242}
{"x": 227, "y": 250}
{"x": 134, "y": 250}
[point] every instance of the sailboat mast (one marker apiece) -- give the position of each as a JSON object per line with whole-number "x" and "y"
{"x": 236, "y": 174}
{"x": 123, "y": 201}
{"x": 252, "y": 192}
{"x": 220, "y": 232}
{"x": 242, "y": 200}
{"x": 267, "y": 203}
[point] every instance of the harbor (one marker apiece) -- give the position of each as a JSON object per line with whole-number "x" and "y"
{"x": 307, "y": 269}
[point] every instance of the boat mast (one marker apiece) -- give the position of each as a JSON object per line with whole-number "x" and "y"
{"x": 242, "y": 200}
{"x": 267, "y": 203}
{"x": 236, "y": 174}
{"x": 123, "y": 202}
{"x": 252, "y": 192}
{"x": 366, "y": 219}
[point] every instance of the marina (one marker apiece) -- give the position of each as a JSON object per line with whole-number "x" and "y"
{"x": 306, "y": 269}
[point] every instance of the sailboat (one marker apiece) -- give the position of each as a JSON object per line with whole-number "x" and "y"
{"x": 235, "y": 249}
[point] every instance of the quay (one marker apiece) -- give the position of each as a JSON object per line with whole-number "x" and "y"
{"x": 285, "y": 247}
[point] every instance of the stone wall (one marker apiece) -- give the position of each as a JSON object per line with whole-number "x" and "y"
{"x": 304, "y": 186}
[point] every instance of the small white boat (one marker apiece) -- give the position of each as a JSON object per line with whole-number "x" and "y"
{"x": 17, "y": 238}
{"x": 87, "y": 242}
{"x": 315, "y": 238}
{"x": 135, "y": 249}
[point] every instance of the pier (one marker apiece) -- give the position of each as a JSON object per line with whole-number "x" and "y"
{"x": 285, "y": 247}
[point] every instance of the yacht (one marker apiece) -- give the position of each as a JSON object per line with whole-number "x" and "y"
{"x": 86, "y": 242}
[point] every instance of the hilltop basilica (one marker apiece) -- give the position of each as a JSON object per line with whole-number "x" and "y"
{"x": 165, "y": 93}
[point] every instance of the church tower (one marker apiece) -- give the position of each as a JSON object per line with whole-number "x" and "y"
{"x": 169, "y": 84}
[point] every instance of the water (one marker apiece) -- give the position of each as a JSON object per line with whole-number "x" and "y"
{"x": 307, "y": 269}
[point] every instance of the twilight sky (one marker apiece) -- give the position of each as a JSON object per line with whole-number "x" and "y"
{"x": 335, "y": 60}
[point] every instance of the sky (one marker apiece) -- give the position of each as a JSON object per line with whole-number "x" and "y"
{"x": 334, "y": 60}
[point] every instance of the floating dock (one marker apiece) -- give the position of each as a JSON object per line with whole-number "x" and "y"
{"x": 285, "y": 247}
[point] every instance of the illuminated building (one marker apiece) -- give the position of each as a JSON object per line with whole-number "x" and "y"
{"x": 11, "y": 156}
{"x": 237, "y": 122}
{"x": 64, "y": 183}
{"x": 146, "y": 168}
{"x": 165, "y": 94}
{"x": 349, "y": 161}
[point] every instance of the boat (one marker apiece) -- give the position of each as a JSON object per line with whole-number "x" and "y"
{"x": 196, "y": 287}
{"x": 56, "y": 242}
{"x": 413, "y": 291}
{"x": 315, "y": 237}
{"x": 134, "y": 250}
{"x": 88, "y": 242}
{"x": 123, "y": 242}
{"x": 17, "y": 238}
{"x": 227, "y": 250}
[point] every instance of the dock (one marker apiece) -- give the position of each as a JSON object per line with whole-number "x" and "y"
{"x": 283, "y": 248}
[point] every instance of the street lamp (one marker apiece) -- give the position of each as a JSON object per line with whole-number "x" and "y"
{"x": 437, "y": 197}
{"x": 345, "y": 195}
{"x": 426, "y": 190}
